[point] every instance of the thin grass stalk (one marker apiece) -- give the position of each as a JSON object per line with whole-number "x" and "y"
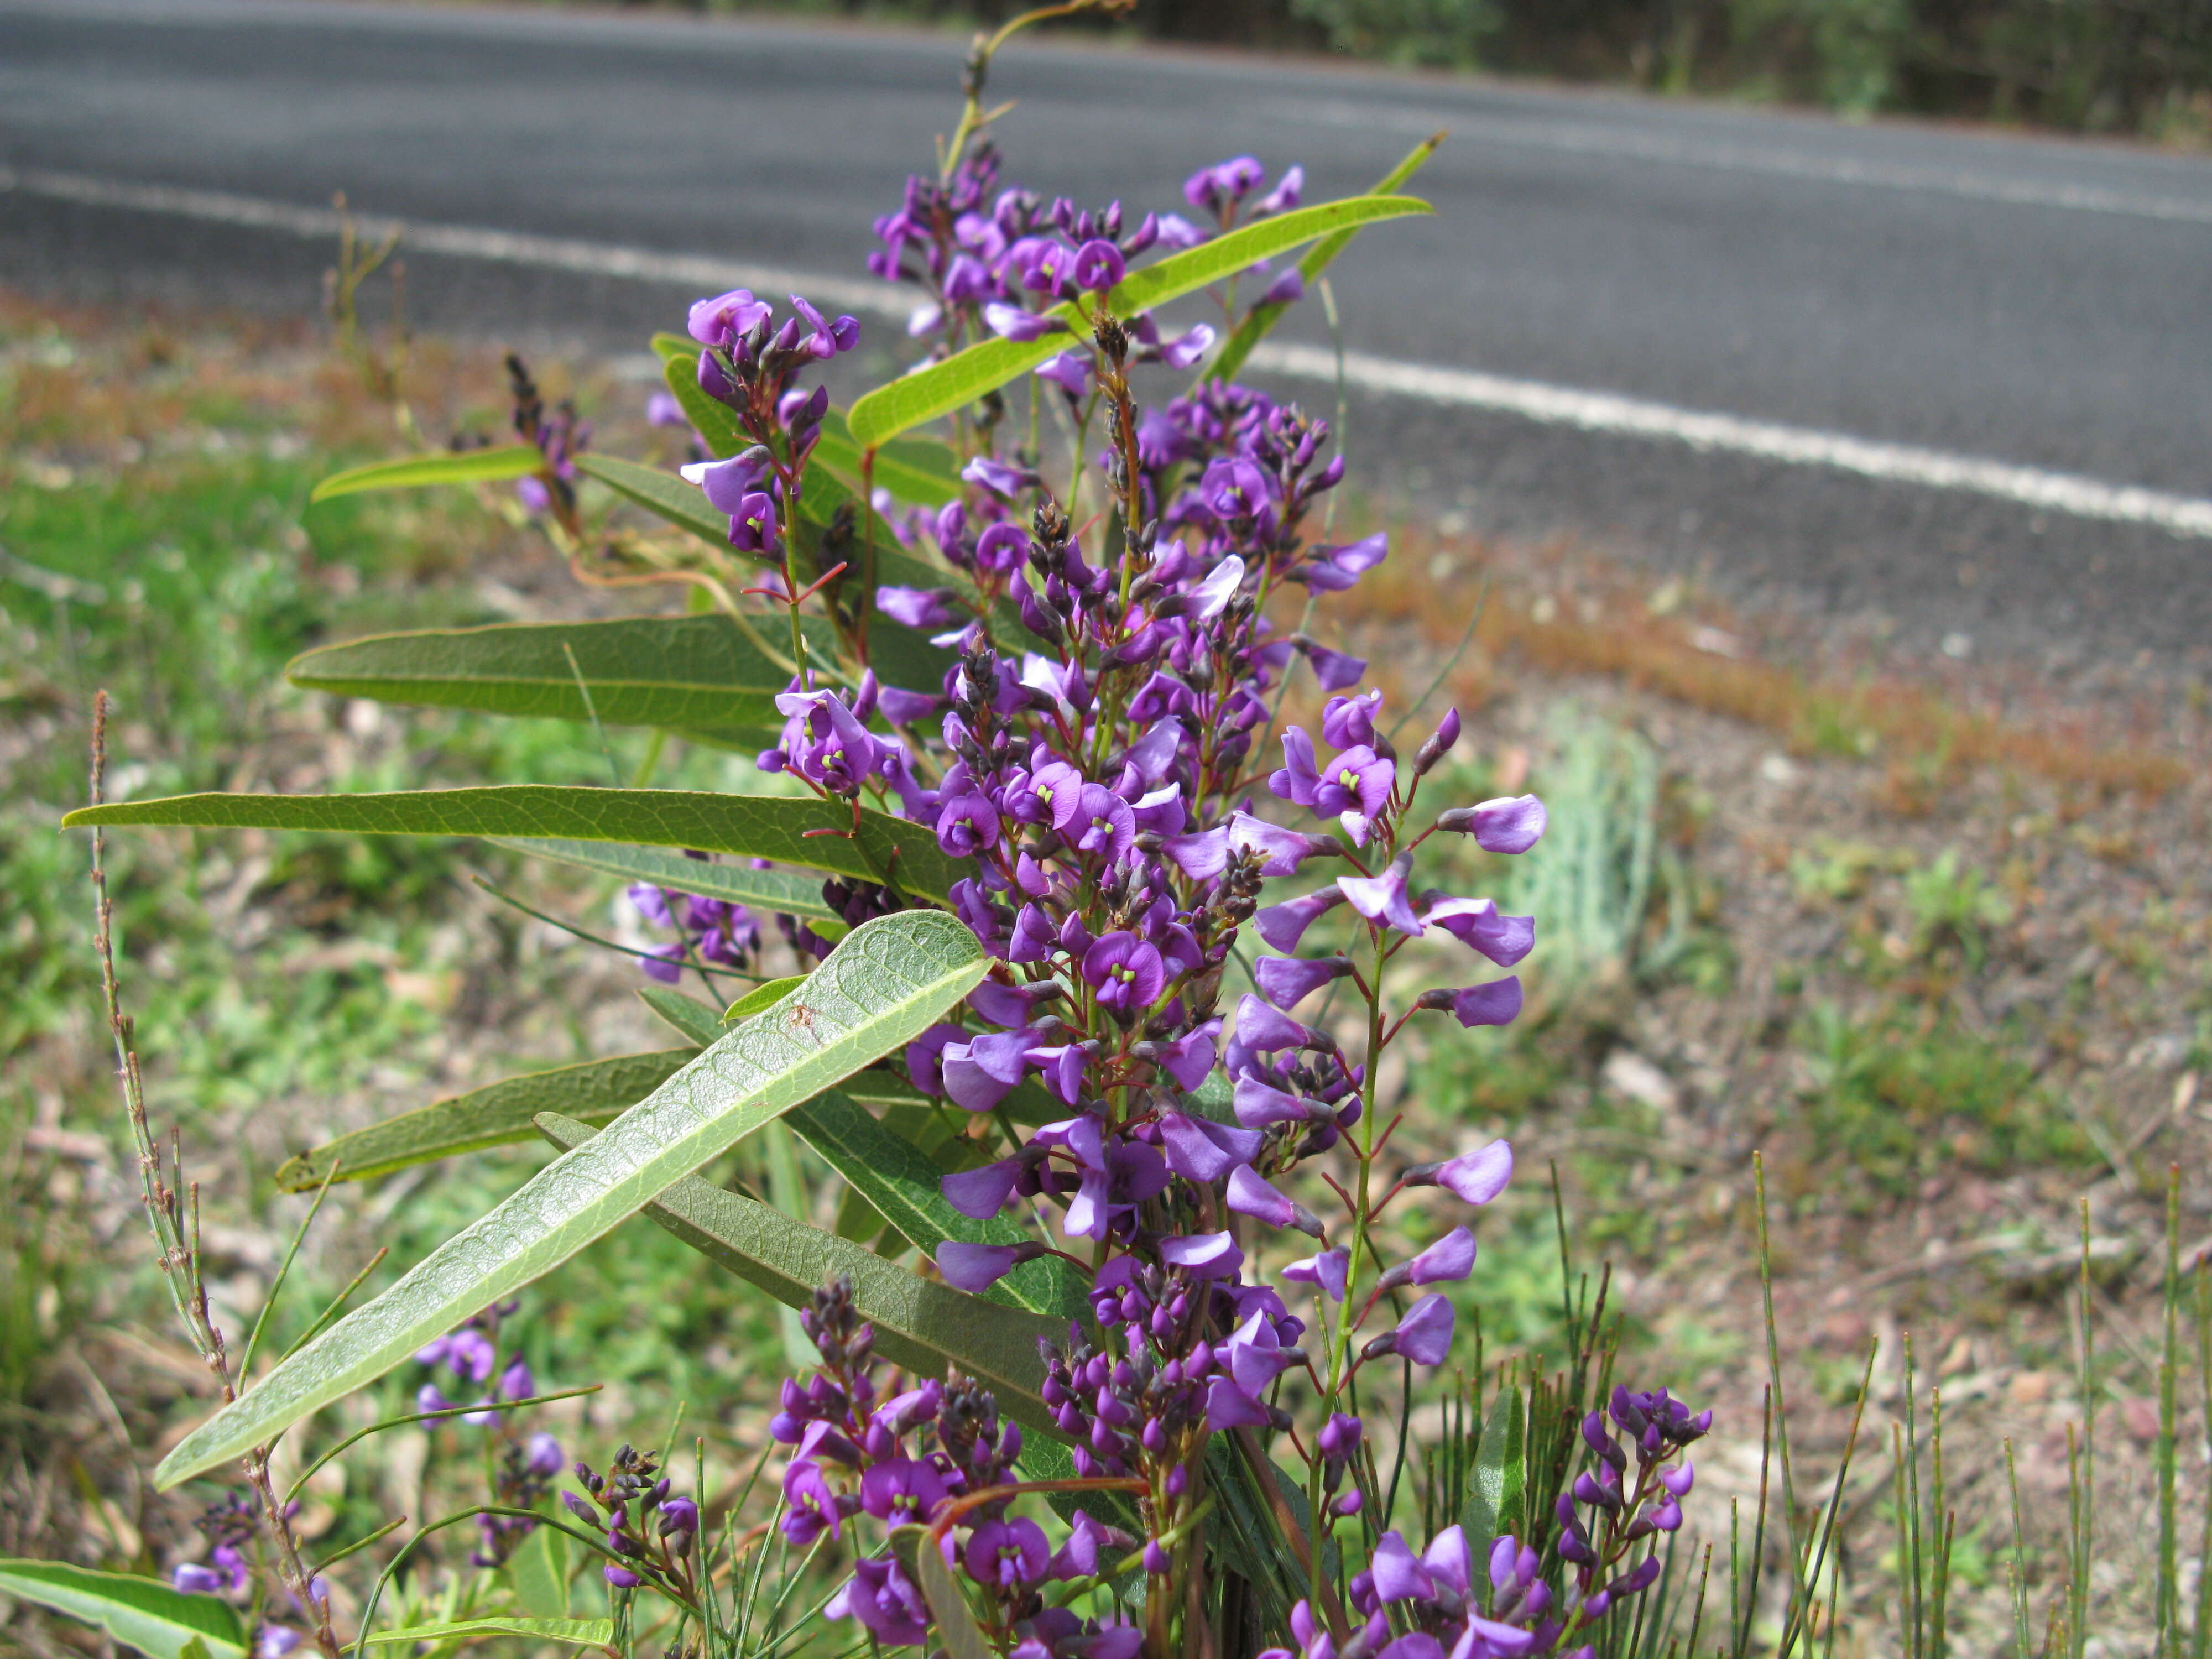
{"x": 1909, "y": 1517}
{"x": 2200, "y": 1644}
{"x": 2016, "y": 1566}
{"x": 2169, "y": 1365}
{"x": 1781, "y": 1414}
{"x": 2082, "y": 1486}
{"x": 1941, "y": 1518}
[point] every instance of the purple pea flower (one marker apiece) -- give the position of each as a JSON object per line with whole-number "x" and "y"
{"x": 1199, "y": 1149}
{"x": 1496, "y": 1003}
{"x": 1382, "y": 898}
{"x": 1451, "y": 1257}
{"x": 981, "y": 1193}
{"x": 1476, "y": 921}
{"x": 1474, "y": 1177}
{"x": 720, "y": 320}
{"x": 885, "y": 1601}
{"x": 966, "y": 824}
{"x": 1334, "y": 669}
{"x": 1105, "y": 824}
{"x": 1002, "y": 548}
{"x": 1329, "y": 1270}
{"x": 1097, "y": 266}
{"x": 1347, "y": 721}
{"x": 1258, "y": 1104}
{"x": 1203, "y": 1255}
{"x": 1358, "y": 781}
{"x": 1070, "y": 371}
{"x": 975, "y": 1267}
{"x": 1511, "y": 823}
{"x": 1186, "y": 350}
{"x": 1288, "y": 286}
{"x": 1250, "y": 1193}
{"x": 1127, "y": 972}
{"x": 1424, "y": 1335}
{"x": 1284, "y": 925}
{"x": 1008, "y": 1554}
{"x": 1288, "y": 981}
{"x": 924, "y": 608}
{"x": 1013, "y": 323}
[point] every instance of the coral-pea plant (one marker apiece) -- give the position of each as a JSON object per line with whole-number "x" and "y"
{"x": 1089, "y": 980}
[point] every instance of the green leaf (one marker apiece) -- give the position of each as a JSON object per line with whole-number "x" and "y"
{"x": 448, "y": 467}
{"x": 690, "y": 671}
{"x": 694, "y": 1018}
{"x": 576, "y": 1632}
{"x": 919, "y": 469}
{"x": 955, "y": 1620}
{"x": 900, "y": 1182}
{"x": 494, "y": 1115}
{"x": 881, "y": 988}
{"x": 663, "y": 494}
{"x": 1262, "y": 317}
{"x": 755, "y": 826}
{"x": 908, "y": 401}
{"x": 540, "y": 1570}
{"x": 761, "y": 996}
{"x": 140, "y": 1612}
{"x": 770, "y": 890}
{"x": 1500, "y": 1476}
{"x": 920, "y": 1324}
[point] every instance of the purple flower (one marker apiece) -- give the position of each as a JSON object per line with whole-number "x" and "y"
{"x": 1264, "y": 1029}
{"x": 720, "y": 320}
{"x": 1127, "y": 973}
{"x": 1105, "y": 824}
{"x": 1225, "y": 183}
{"x": 1424, "y": 1335}
{"x": 1333, "y": 669}
{"x": 1451, "y": 1257}
{"x": 1382, "y": 898}
{"x": 1511, "y": 823}
{"x": 1327, "y": 1270}
{"x": 925, "y": 608}
{"x": 981, "y": 1193}
{"x": 966, "y": 824}
{"x": 1097, "y": 266}
{"x": 1284, "y": 925}
{"x": 1051, "y": 794}
{"x": 1189, "y": 1059}
{"x": 1185, "y": 351}
{"x": 1203, "y": 1255}
{"x": 729, "y": 485}
{"x": 1474, "y": 1177}
{"x": 1288, "y": 981}
{"x": 194, "y": 1579}
{"x": 1008, "y": 1554}
{"x": 975, "y": 1267}
{"x": 1012, "y": 322}
{"x": 541, "y": 1454}
{"x": 1498, "y": 1003}
{"x": 885, "y": 1601}
{"x": 827, "y": 339}
{"x": 1337, "y": 569}
{"x": 1289, "y": 285}
{"x": 901, "y": 1490}
{"x": 1476, "y": 921}
{"x": 1199, "y": 1149}
{"x": 276, "y": 1641}
{"x": 1251, "y": 1195}
{"x": 1358, "y": 781}
{"x": 1347, "y": 722}
{"x": 814, "y": 1506}
{"x": 1070, "y": 371}
{"x": 1002, "y": 548}
{"x": 1282, "y": 850}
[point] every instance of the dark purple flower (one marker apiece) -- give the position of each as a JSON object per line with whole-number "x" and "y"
{"x": 1127, "y": 973}
{"x": 812, "y": 1505}
{"x": 1476, "y": 921}
{"x": 966, "y": 824}
{"x": 981, "y": 1193}
{"x": 901, "y": 1490}
{"x": 1358, "y": 781}
{"x": 1199, "y": 1149}
{"x": 1288, "y": 981}
{"x": 975, "y": 1267}
{"x": 1290, "y": 285}
{"x": 1189, "y": 1059}
{"x": 1105, "y": 824}
{"x": 1050, "y": 793}
{"x": 1002, "y": 548}
{"x": 1008, "y": 1554}
{"x": 1097, "y": 266}
{"x": 885, "y": 1601}
{"x": 1498, "y": 1003}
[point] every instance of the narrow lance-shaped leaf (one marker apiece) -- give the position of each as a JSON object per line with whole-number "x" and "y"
{"x": 757, "y": 826}
{"x": 880, "y": 989}
{"x": 956, "y": 1620}
{"x": 690, "y": 671}
{"x": 714, "y": 421}
{"x": 764, "y": 995}
{"x": 917, "y": 469}
{"x": 1262, "y": 317}
{"x": 908, "y": 401}
{"x": 689, "y": 1015}
{"x": 919, "y": 1323}
{"x": 497, "y": 1114}
{"x": 771, "y": 890}
{"x": 452, "y": 467}
{"x": 140, "y": 1612}
{"x": 685, "y": 506}
{"x": 1500, "y": 1474}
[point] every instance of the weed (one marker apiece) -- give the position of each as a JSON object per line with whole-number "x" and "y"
{"x": 1950, "y": 905}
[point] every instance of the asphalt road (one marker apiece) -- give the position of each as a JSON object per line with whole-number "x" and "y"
{"x": 2039, "y": 304}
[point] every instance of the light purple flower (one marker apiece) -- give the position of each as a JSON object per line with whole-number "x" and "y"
{"x": 1382, "y": 898}
{"x": 1070, "y": 371}
{"x": 1476, "y": 921}
{"x": 1258, "y": 1104}
{"x": 1250, "y": 1193}
{"x": 1185, "y": 351}
{"x": 1264, "y": 1029}
{"x": 1349, "y": 721}
{"x": 1329, "y": 1270}
{"x": 1334, "y": 669}
{"x": 1451, "y": 1257}
{"x": 719, "y": 320}
{"x": 1105, "y": 824}
{"x": 1203, "y": 1255}
{"x": 924, "y": 608}
{"x": 1498, "y": 1003}
{"x": 1424, "y": 1335}
{"x": 1288, "y": 286}
{"x": 1012, "y": 322}
{"x": 1288, "y": 981}
{"x": 1356, "y": 780}
{"x": 1510, "y": 824}
{"x": 1474, "y": 1177}
{"x": 1283, "y": 850}
{"x": 975, "y": 1267}
{"x": 981, "y": 1193}
{"x": 1284, "y": 925}
{"x": 1212, "y": 592}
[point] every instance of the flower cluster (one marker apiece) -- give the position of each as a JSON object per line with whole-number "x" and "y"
{"x": 933, "y": 1452}
{"x": 522, "y": 1474}
{"x": 558, "y": 434}
{"x": 647, "y": 1528}
{"x": 709, "y": 932}
{"x": 230, "y": 1527}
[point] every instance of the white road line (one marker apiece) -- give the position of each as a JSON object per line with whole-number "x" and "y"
{"x": 1533, "y": 400}
{"x": 1583, "y": 139}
